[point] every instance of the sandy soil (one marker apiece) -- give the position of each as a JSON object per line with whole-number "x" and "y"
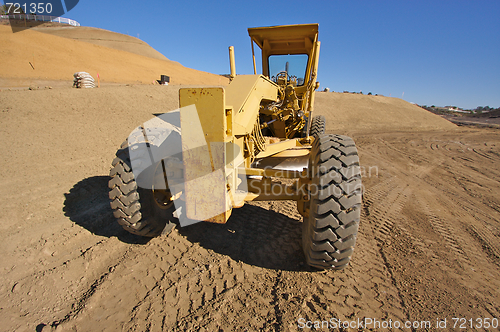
{"x": 31, "y": 55}
{"x": 428, "y": 246}
{"x": 104, "y": 38}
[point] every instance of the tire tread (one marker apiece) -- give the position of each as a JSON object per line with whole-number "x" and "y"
{"x": 330, "y": 232}
{"x": 125, "y": 199}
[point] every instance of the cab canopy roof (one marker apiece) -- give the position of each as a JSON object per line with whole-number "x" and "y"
{"x": 285, "y": 39}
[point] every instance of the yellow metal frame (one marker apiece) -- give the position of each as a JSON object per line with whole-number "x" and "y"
{"x": 244, "y": 95}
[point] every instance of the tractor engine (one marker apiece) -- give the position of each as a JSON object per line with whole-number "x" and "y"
{"x": 283, "y": 118}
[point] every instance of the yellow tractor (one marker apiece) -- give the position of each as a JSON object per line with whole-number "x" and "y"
{"x": 256, "y": 139}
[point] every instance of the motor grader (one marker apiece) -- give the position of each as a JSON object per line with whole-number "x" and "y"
{"x": 255, "y": 139}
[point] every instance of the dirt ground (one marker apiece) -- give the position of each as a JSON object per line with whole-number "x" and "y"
{"x": 428, "y": 246}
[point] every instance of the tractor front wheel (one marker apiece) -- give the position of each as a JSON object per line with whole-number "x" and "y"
{"x": 141, "y": 211}
{"x": 329, "y": 232}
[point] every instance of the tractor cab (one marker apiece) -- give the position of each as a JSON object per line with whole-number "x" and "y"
{"x": 289, "y": 54}
{"x": 290, "y": 57}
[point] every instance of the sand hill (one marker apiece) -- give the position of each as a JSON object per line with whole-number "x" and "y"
{"x": 104, "y": 38}
{"x": 57, "y": 58}
{"x": 347, "y": 113}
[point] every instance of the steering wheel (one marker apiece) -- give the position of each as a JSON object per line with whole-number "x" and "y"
{"x": 282, "y": 74}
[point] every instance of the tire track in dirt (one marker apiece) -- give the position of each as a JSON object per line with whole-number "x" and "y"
{"x": 469, "y": 249}
{"x": 479, "y": 220}
{"x": 363, "y": 290}
{"x": 470, "y": 213}
{"x": 470, "y": 210}
{"x": 488, "y": 242}
{"x": 408, "y": 241}
{"x": 192, "y": 294}
{"x": 452, "y": 240}
{"x": 402, "y": 234}
{"x": 62, "y": 295}
{"x": 403, "y": 151}
{"x": 186, "y": 281}
{"x": 80, "y": 303}
{"x": 382, "y": 204}
{"x": 452, "y": 236}
{"x": 482, "y": 154}
{"x": 270, "y": 298}
{"x": 133, "y": 283}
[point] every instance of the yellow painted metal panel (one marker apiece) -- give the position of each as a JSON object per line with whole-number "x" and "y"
{"x": 245, "y": 94}
{"x": 203, "y": 128}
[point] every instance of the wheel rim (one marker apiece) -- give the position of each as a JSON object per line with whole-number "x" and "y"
{"x": 162, "y": 197}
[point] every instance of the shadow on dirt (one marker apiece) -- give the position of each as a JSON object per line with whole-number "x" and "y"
{"x": 255, "y": 236}
{"x": 87, "y": 205}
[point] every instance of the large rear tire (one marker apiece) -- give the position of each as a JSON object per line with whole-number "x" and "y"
{"x": 329, "y": 233}
{"x": 137, "y": 209}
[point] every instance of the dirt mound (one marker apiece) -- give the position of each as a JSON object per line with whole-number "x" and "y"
{"x": 357, "y": 113}
{"x": 105, "y": 38}
{"x": 33, "y": 55}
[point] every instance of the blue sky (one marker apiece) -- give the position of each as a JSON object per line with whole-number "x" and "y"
{"x": 435, "y": 52}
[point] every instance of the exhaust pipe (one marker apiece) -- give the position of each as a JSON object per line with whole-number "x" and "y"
{"x": 232, "y": 62}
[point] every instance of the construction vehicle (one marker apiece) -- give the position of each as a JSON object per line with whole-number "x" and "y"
{"x": 255, "y": 139}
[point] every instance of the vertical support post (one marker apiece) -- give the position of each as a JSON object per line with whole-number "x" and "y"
{"x": 314, "y": 76}
{"x": 253, "y": 57}
{"x": 232, "y": 62}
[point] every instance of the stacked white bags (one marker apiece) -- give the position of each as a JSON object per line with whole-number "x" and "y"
{"x": 83, "y": 80}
